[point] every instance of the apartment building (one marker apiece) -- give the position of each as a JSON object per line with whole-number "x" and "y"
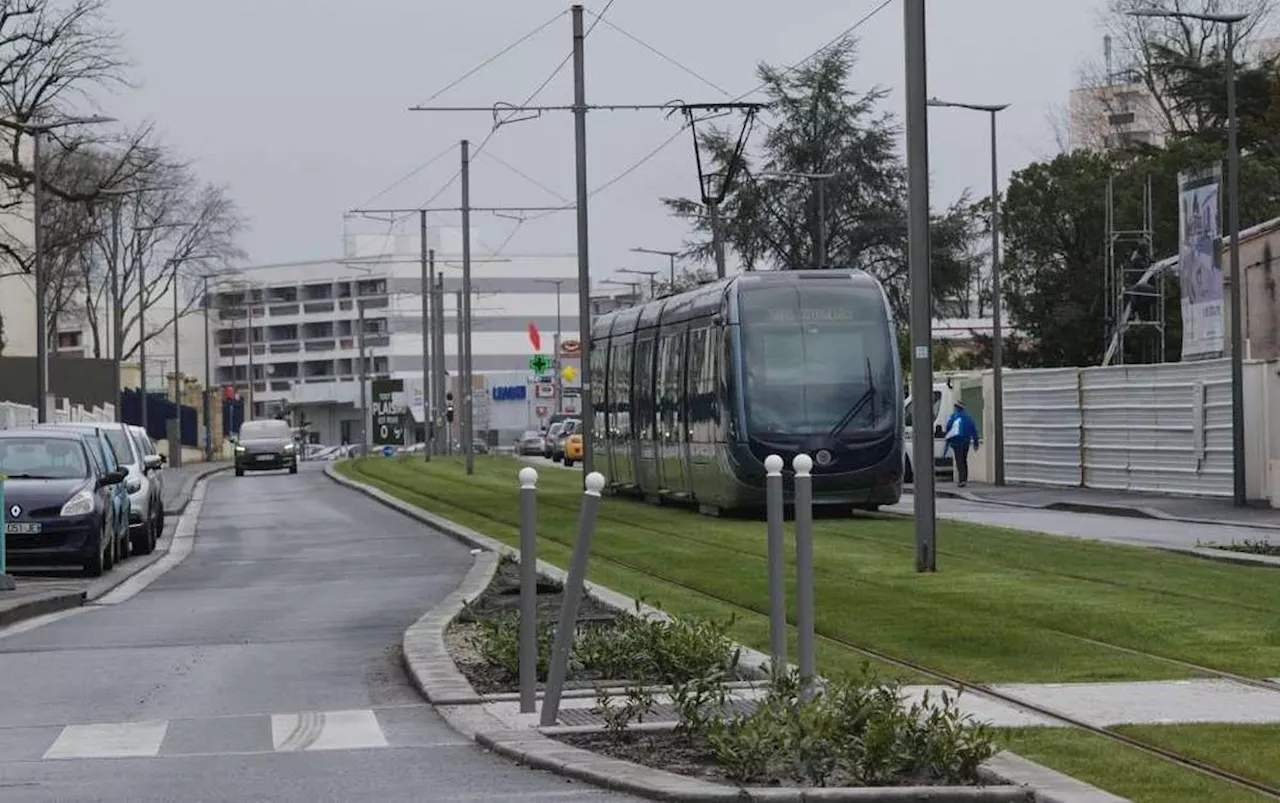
{"x": 293, "y": 330}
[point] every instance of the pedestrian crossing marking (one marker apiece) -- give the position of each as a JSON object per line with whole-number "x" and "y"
{"x": 114, "y": 740}
{"x": 333, "y": 730}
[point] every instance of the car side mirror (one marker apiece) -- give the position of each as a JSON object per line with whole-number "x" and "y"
{"x": 111, "y": 478}
{"x": 152, "y": 462}
{"x": 938, "y": 431}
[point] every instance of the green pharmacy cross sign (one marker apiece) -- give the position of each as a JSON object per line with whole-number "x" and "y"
{"x": 539, "y": 364}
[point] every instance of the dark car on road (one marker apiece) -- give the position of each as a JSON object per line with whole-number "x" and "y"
{"x": 59, "y": 503}
{"x": 266, "y": 445}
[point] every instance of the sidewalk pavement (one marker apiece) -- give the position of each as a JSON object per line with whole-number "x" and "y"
{"x": 44, "y": 592}
{"x": 179, "y": 482}
{"x": 1194, "y": 510}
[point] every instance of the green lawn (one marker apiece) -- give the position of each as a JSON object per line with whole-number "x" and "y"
{"x": 1143, "y": 778}
{"x": 1005, "y": 605}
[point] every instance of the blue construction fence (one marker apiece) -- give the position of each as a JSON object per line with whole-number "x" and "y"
{"x": 160, "y": 410}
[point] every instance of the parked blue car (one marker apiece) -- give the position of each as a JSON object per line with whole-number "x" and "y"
{"x": 61, "y": 501}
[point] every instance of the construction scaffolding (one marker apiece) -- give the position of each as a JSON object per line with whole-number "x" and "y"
{"x": 1135, "y": 290}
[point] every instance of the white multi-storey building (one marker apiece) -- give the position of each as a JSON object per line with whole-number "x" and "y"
{"x": 303, "y": 322}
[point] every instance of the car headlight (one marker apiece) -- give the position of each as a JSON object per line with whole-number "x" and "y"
{"x": 239, "y": 448}
{"x": 289, "y": 447}
{"x": 133, "y": 485}
{"x": 79, "y": 505}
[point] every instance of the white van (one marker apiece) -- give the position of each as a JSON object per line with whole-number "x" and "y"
{"x": 944, "y": 398}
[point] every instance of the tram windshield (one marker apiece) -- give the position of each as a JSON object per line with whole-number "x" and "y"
{"x": 817, "y": 358}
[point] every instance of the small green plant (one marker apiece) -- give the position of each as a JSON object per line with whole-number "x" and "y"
{"x": 652, "y": 650}
{"x": 637, "y": 702}
{"x": 499, "y": 645}
{"x": 698, "y": 701}
{"x": 856, "y": 730}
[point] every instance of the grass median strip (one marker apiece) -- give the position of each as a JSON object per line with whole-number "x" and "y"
{"x": 1005, "y": 606}
{"x": 1142, "y": 778}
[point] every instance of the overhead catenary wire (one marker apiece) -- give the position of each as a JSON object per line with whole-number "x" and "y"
{"x": 504, "y": 51}
{"x": 527, "y": 177}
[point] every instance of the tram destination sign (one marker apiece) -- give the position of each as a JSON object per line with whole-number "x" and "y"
{"x": 810, "y": 314}
{"x": 388, "y": 414}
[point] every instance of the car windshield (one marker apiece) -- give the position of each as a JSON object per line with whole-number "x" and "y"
{"x": 265, "y": 430}
{"x": 120, "y": 445}
{"x": 813, "y": 353}
{"x": 42, "y": 459}
{"x": 531, "y": 434}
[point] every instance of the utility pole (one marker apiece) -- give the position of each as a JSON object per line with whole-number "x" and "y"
{"x": 117, "y": 312}
{"x": 670, "y": 255}
{"x": 555, "y": 360}
{"x": 584, "y": 241}
{"x": 141, "y": 273}
{"x": 428, "y": 258}
{"x": 465, "y": 321}
{"x": 177, "y": 372}
{"x": 921, "y": 289}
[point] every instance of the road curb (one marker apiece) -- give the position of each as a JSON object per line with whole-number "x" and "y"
{"x": 189, "y": 485}
{"x": 40, "y": 605}
{"x": 429, "y": 665}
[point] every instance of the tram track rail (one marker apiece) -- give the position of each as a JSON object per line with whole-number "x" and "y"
{"x": 945, "y": 678}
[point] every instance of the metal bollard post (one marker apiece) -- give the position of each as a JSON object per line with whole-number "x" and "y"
{"x": 572, "y": 596}
{"x": 528, "y": 590}
{"x": 6, "y": 582}
{"x": 777, "y": 573}
{"x": 803, "y": 465}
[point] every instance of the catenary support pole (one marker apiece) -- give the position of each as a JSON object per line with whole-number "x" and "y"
{"x": 528, "y": 589}
{"x": 460, "y": 371}
{"x": 41, "y": 282}
{"x": 585, "y": 404}
{"x": 775, "y": 512}
{"x": 141, "y": 273}
{"x": 364, "y": 381}
{"x": 573, "y": 588}
{"x": 997, "y": 325}
{"x": 468, "y": 434}
{"x": 442, "y": 382}
{"x": 428, "y": 401}
{"x": 803, "y": 466}
{"x": 917, "y": 120}
{"x": 177, "y": 352}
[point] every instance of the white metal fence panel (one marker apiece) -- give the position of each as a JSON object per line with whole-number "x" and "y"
{"x": 1042, "y": 426}
{"x": 1158, "y": 428}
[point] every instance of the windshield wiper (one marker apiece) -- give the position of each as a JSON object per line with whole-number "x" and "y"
{"x": 868, "y": 396}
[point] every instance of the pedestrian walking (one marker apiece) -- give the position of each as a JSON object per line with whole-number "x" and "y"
{"x": 962, "y": 433}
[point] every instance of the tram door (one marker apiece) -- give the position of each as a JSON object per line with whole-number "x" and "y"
{"x": 620, "y": 440}
{"x": 671, "y": 419}
{"x": 646, "y": 394}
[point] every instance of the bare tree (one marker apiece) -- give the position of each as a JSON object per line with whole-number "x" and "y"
{"x": 185, "y": 230}
{"x": 1149, "y": 57}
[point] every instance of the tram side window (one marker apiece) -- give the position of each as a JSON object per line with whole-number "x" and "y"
{"x": 644, "y": 394}
{"x": 599, "y": 399}
{"x": 697, "y": 346}
{"x": 616, "y": 390}
{"x": 711, "y": 379}
{"x": 701, "y": 386}
{"x": 625, "y": 399}
{"x": 670, "y": 406}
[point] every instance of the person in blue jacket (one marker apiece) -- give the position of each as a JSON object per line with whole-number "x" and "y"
{"x": 962, "y": 433}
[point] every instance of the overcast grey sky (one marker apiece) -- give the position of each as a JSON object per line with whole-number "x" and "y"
{"x": 301, "y": 105}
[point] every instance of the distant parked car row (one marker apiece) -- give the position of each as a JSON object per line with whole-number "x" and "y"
{"x": 86, "y": 494}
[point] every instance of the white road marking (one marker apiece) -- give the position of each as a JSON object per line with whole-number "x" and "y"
{"x": 331, "y": 730}
{"x": 40, "y": 621}
{"x": 116, "y": 740}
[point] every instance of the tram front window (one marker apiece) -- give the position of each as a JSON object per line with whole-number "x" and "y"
{"x": 818, "y": 359}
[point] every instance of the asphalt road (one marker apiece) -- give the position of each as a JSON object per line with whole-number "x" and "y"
{"x": 263, "y": 667}
{"x": 1117, "y": 529}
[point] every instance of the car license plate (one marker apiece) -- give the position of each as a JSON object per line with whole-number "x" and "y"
{"x": 22, "y": 528}
{"x": 266, "y": 458}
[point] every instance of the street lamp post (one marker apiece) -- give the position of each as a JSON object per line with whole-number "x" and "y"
{"x": 555, "y": 360}
{"x": 653, "y": 283}
{"x": 1237, "y": 280}
{"x": 671, "y": 255}
{"x": 997, "y": 334}
{"x": 35, "y": 130}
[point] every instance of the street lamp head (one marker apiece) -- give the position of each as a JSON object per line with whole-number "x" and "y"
{"x": 1227, "y": 19}
{"x": 977, "y": 107}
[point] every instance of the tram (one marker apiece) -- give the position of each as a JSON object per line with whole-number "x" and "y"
{"x": 692, "y": 392}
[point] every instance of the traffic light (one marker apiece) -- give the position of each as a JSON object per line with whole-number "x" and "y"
{"x": 448, "y": 407}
